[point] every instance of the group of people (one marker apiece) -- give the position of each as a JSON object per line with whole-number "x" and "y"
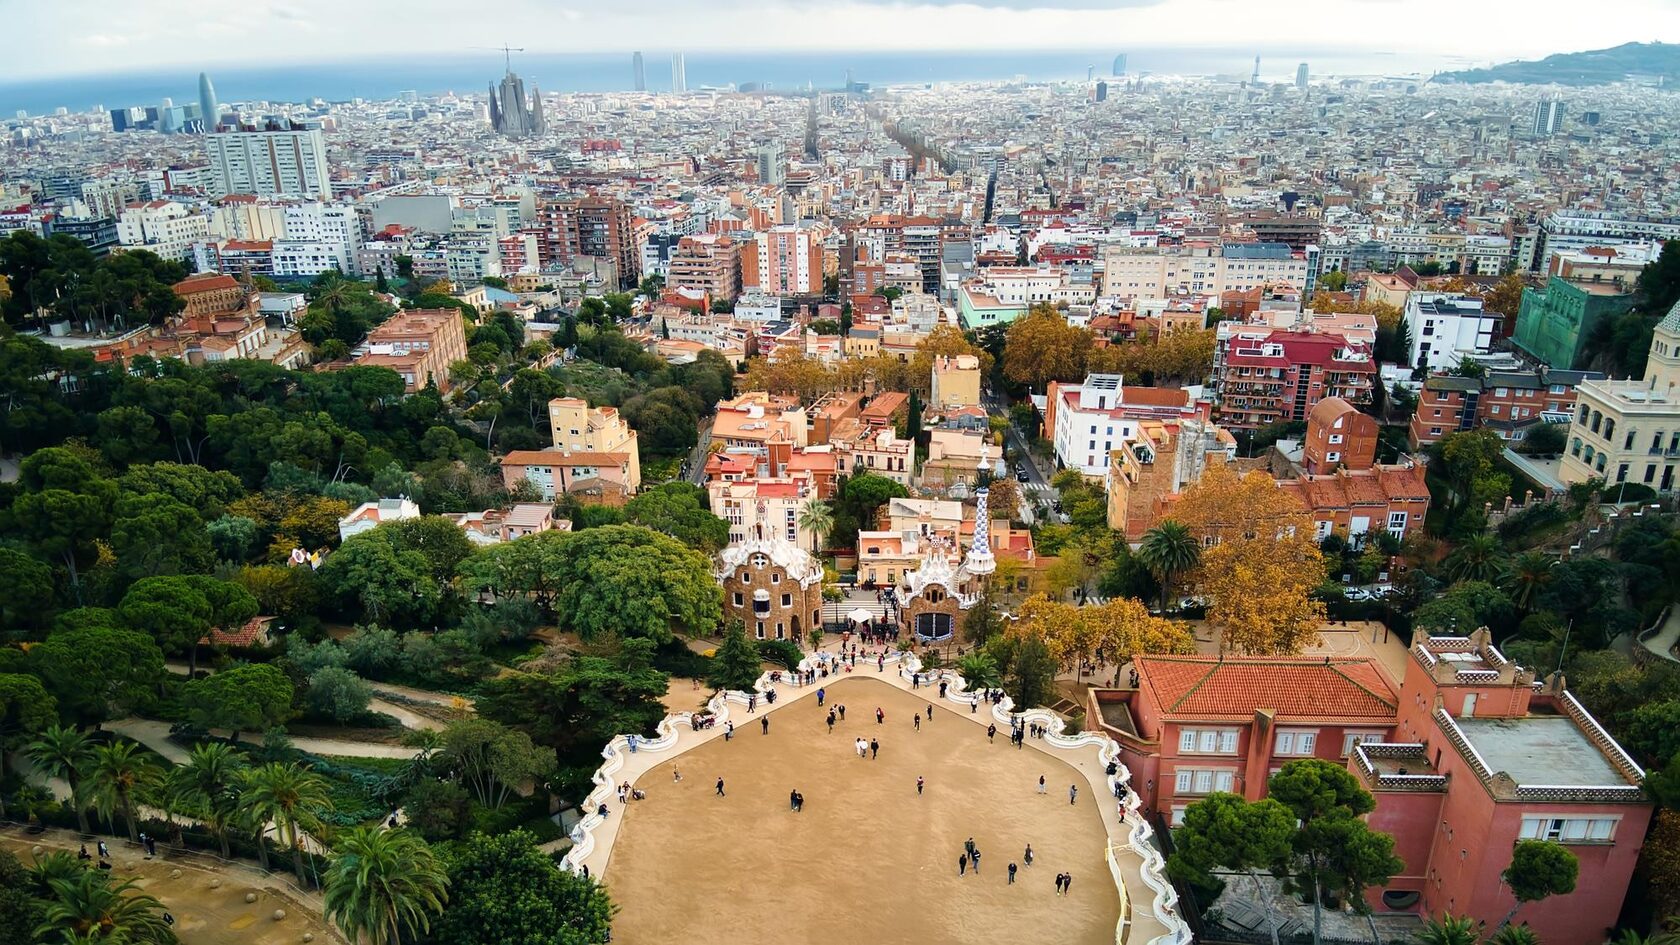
{"x": 867, "y": 749}
{"x": 970, "y": 857}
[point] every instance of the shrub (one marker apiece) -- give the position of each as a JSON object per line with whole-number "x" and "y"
{"x": 440, "y": 810}
{"x": 338, "y": 694}
{"x": 784, "y": 652}
{"x": 677, "y": 659}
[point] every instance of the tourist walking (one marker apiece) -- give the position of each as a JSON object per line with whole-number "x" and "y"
{"x": 874, "y": 749}
{"x": 1073, "y": 794}
{"x": 962, "y": 864}
{"x": 831, "y": 721}
{"x": 720, "y": 787}
{"x": 919, "y": 783}
{"x": 930, "y": 712}
{"x": 1027, "y": 856}
{"x": 798, "y": 802}
{"x": 676, "y": 775}
{"x": 793, "y": 800}
{"x": 1067, "y": 883}
{"x": 862, "y": 748}
{"x": 968, "y": 846}
{"x": 880, "y": 716}
{"x": 728, "y": 730}
{"x": 1059, "y": 878}
{"x": 942, "y": 684}
{"x": 842, "y": 708}
{"x": 1012, "y": 874}
{"x": 991, "y": 733}
{"x": 752, "y": 704}
{"x": 918, "y": 723}
{"x": 1041, "y": 784}
{"x": 765, "y": 723}
{"x": 976, "y": 859}
{"x": 821, "y": 694}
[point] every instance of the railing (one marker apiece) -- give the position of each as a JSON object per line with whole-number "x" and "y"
{"x": 1621, "y": 759}
{"x": 1454, "y": 734}
{"x": 1152, "y": 868}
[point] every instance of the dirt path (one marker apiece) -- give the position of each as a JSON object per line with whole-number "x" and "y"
{"x": 869, "y": 859}
{"x": 155, "y": 735}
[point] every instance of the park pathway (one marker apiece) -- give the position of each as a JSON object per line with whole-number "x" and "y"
{"x": 155, "y": 735}
{"x": 1663, "y": 641}
{"x": 1138, "y": 898}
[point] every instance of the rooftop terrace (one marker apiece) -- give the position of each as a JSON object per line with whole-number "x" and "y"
{"x": 1540, "y": 750}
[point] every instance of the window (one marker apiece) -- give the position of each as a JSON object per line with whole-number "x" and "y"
{"x": 1335, "y": 438}
{"x": 1570, "y": 829}
{"x": 787, "y": 600}
{"x": 1296, "y": 743}
{"x": 1201, "y": 780}
{"x": 739, "y": 600}
{"x": 1351, "y": 739}
{"x": 1208, "y": 741}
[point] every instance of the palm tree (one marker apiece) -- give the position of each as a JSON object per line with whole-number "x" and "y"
{"x": 817, "y": 518}
{"x": 89, "y": 907}
{"x": 1449, "y": 930}
{"x": 1477, "y": 558}
{"x": 288, "y": 795}
{"x": 980, "y": 670}
{"x": 119, "y": 769}
{"x": 1169, "y": 549}
{"x": 207, "y": 786}
{"x": 383, "y": 885}
{"x": 66, "y": 754}
{"x": 1515, "y": 935}
{"x": 1526, "y": 576}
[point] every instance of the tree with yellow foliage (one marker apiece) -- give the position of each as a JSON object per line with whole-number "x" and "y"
{"x": 1041, "y": 347}
{"x": 1110, "y": 634}
{"x": 945, "y": 341}
{"x": 1185, "y": 355}
{"x": 1259, "y": 562}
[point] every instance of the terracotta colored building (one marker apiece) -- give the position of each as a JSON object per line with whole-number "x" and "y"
{"x": 1338, "y": 437}
{"x": 589, "y": 476}
{"x": 1485, "y": 755}
{"x": 419, "y": 344}
{"x": 1355, "y": 503}
{"x": 1199, "y": 724}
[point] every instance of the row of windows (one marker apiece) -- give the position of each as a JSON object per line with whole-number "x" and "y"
{"x": 1223, "y": 741}
{"x": 1569, "y": 829}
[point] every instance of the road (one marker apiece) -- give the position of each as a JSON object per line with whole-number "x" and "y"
{"x": 697, "y": 456}
{"x": 1037, "y": 488}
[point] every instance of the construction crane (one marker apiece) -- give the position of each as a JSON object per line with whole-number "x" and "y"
{"x": 506, "y": 51}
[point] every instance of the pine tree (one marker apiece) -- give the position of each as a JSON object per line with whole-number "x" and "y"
{"x": 736, "y": 665}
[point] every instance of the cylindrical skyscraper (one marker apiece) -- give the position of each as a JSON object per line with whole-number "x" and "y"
{"x": 679, "y": 74}
{"x": 208, "y": 108}
{"x": 641, "y": 72}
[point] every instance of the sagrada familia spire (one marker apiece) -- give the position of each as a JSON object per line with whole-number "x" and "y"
{"x": 511, "y": 114}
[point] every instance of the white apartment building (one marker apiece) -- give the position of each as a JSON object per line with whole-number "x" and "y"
{"x": 336, "y": 227}
{"x": 1445, "y": 328}
{"x": 1090, "y": 419}
{"x": 268, "y": 162}
{"x": 1028, "y": 285}
{"x": 1574, "y": 230}
{"x": 107, "y": 198}
{"x": 164, "y": 227}
{"x": 470, "y": 260}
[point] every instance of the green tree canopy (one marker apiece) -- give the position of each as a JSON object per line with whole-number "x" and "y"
{"x": 503, "y": 889}
{"x": 681, "y": 510}
{"x": 737, "y": 664}
{"x": 98, "y": 673}
{"x": 579, "y": 705}
{"x": 1538, "y": 870}
{"x": 252, "y": 697}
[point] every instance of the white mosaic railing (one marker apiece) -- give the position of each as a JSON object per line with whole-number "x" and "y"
{"x": 1152, "y": 867}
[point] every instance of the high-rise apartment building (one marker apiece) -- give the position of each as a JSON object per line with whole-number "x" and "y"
{"x": 598, "y": 228}
{"x": 1120, "y": 64}
{"x": 785, "y": 260}
{"x": 1548, "y": 118}
{"x": 709, "y": 263}
{"x": 679, "y": 74}
{"x": 772, "y": 165}
{"x": 1301, "y": 77}
{"x": 639, "y": 69}
{"x": 268, "y": 161}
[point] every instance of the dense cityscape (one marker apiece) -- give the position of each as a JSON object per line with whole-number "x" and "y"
{"x": 460, "y": 516}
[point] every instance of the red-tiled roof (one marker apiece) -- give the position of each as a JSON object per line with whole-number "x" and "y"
{"x": 1292, "y": 687}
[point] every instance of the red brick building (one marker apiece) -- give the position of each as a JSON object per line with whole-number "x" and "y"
{"x": 1355, "y": 503}
{"x": 1283, "y": 375}
{"x": 1511, "y": 403}
{"x": 1483, "y": 756}
{"x": 1338, "y": 437}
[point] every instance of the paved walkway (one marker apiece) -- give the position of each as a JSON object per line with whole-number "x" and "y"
{"x": 1663, "y": 641}
{"x": 155, "y": 735}
{"x": 1142, "y": 902}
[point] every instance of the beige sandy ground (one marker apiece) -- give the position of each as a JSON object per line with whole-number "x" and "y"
{"x": 203, "y": 915}
{"x": 868, "y": 860}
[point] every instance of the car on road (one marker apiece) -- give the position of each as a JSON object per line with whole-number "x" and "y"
{"x": 1021, "y": 476}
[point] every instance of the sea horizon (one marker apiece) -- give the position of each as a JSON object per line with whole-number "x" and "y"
{"x": 384, "y": 78}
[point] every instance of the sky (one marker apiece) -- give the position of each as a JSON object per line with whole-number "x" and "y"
{"x": 82, "y": 37}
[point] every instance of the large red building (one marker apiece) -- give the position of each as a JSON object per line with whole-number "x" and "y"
{"x": 1511, "y": 403}
{"x": 1283, "y": 375}
{"x": 1467, "y": 756}
{"x": 1485, "y": 755}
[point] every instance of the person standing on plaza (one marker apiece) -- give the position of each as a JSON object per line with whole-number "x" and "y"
{"x": 1027, "y": 856}
{"x": 1041, "y": 784}
{"x": 831, "y": 721}
{"x": 962, "y": 864}
{"x": 821, "y": 694}
{"x": 918, "y": 720}
{"x": 1073, "y": 794}
{"x": 874, "y": 749}
{"x": 1012, "y": 874}
{"x": 991, "y": 733}
{"x": 765, "y": 722}
{"x": 728, "y": 730}
{"x": 976, "y": 859}
{"x": 880, "y": 716}
{"x": 842, "y": 708}
{"x": 720, "y": 787}
{"x": 919, "y": 783}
